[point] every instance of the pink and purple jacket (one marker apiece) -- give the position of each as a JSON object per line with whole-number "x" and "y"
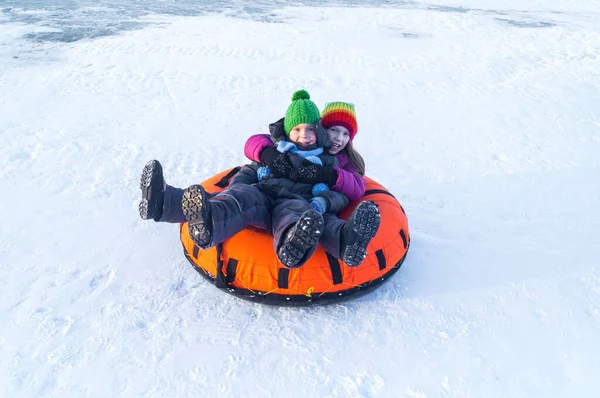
{"x": 349, "y": 182}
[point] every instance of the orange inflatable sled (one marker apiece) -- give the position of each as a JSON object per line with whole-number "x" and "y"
{"x": 246, "y": 264}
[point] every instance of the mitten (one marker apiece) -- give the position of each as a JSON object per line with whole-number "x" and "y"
{"x": 315, "y": 174}
{"x": 318, "y": 188}
{"x": 278, "y": 162}
{"x": 263, "y": 172}
{"x": 319, "y": 204}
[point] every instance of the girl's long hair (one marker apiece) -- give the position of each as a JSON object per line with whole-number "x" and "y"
{"x": 355, "y": 159}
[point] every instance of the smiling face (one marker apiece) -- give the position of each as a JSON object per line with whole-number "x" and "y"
{"x": 303, "y": 134}
{"x": 339, "y": 137}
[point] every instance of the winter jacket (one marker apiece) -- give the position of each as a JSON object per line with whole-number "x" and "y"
{"x": 286, "y": 188}
{"x": 349, "y": 182}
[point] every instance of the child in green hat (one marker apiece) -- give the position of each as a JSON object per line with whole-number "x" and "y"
{"x": 276, "y": 203}
{"x": 345, "y": 240}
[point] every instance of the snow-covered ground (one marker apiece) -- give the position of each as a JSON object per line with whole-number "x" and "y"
{"x": 482, "y": 118}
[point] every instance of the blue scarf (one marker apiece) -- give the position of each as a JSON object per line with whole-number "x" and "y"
{"x": 312, "y": 155}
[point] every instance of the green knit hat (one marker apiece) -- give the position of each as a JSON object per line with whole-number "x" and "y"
{"x": 302, "y": 110}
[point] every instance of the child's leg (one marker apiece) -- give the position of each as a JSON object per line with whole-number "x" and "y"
{"x": 238, "y": 207}
{"x": 332, "y": 235}
{"x": 152, "y": 185}
{"x": 297, "y": 229}
{"x": 213, "y": 220}
{"x": 172, "y": 211}
{"x": 348, "y": 241}
{"x": 160, "y": 202}
{"x": 361, "y": 227}
{"x": 286, "y": 212}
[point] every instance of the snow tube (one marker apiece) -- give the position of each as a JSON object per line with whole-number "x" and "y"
{"x": 246, "y": 264}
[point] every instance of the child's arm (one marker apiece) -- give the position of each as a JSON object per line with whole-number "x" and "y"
{"x": 344, "y": 180}
{"x": 260, "y": 148}
{"x": 350, "y": 183}
{"x": 255, "y": 145}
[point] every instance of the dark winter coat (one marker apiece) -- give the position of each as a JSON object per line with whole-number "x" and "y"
{"x": 349, "y": 182}
{"x": 286, "y": 188}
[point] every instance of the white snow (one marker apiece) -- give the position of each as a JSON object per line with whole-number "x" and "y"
{"x": 483, "y": 119}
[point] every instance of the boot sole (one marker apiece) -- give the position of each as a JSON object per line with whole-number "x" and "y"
{"x": 195, "y": 211}
{"x": 365, "y": 226}
{"x": 150, "y": 172}
{"x": 306, "y": 234}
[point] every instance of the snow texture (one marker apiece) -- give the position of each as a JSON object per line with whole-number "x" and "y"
{"x": 482, "y": 118}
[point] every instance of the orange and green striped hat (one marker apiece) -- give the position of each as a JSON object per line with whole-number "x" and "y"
{"x": 340, "y": 114}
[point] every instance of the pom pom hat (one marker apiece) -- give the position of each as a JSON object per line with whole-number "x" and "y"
{"x": 340, "y": 114}
{"x": 302, "y": 110}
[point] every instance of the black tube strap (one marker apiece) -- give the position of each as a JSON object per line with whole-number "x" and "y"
{"x": 220, "y": 281}
{"x": 383, "y": 191}
{"x": 195, "y": 252}
{"x": 380, "y": 259}
{"x": 282, "y": 278}
{"x": 225, "y": 180}
{"x": 374, "y": 191}
{"x": 336, "y": 270}
{"x": 403, "y": 236}
{"x": 231, "y": 268}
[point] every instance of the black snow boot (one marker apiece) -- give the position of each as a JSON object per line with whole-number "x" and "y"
{"x": 152, "y": 185}
{"x": 361, "y": 227}
{"x": 300, "y": 238}
{"x": 196, "y": 210}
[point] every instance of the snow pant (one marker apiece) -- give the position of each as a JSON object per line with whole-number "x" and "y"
{"x": 331, "y": 240}
{"x": 172, "y": 211}
{"x": 239, "y": 206}
{"x": 244, "y": 205}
